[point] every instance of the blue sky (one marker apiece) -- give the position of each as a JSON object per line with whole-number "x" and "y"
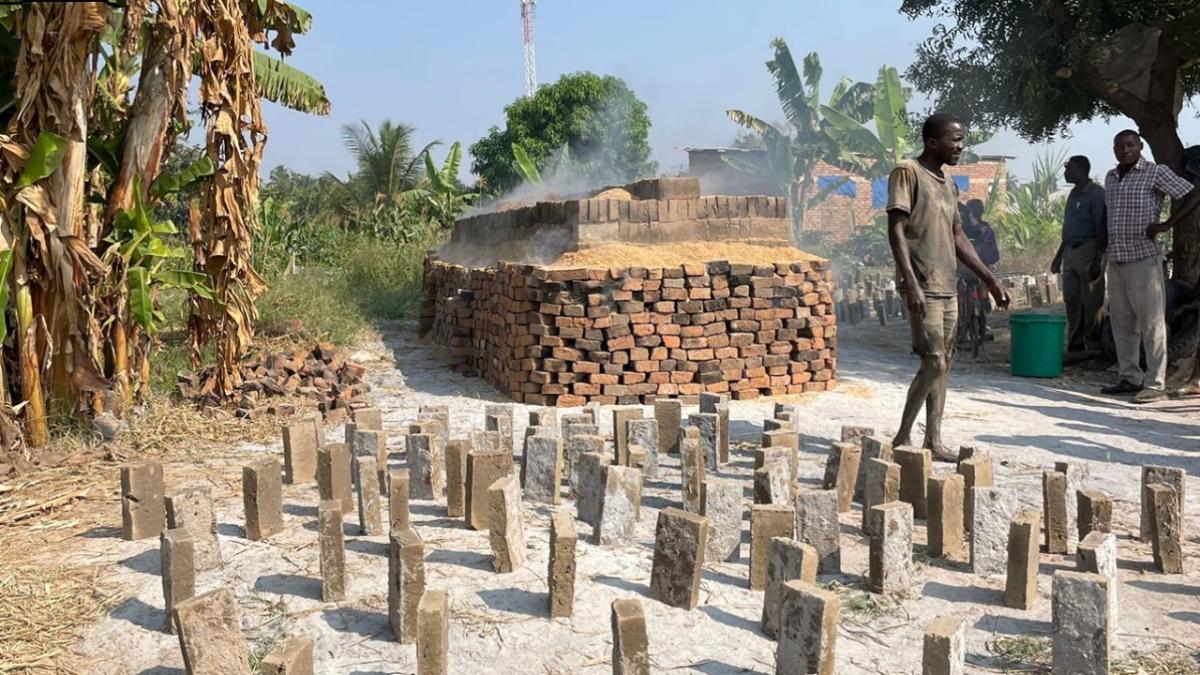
{"x": 449, "y": 67}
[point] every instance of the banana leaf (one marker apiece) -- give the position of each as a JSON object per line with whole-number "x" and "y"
{"x": 45, "y": 156}
{"x": 289, "y": 87}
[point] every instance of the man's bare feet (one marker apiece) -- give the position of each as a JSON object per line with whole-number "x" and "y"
{"x": 940, "y": 452}
{"x": 901, "y": 440}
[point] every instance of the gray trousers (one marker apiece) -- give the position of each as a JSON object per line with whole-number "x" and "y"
{"x": 1135, "y": 305}
{"x": 1083, "y": 296}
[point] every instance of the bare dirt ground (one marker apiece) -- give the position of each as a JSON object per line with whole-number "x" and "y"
{"x": 499, "y": 622}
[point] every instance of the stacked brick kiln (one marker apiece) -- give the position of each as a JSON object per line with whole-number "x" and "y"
{"x": 554, "y": 335}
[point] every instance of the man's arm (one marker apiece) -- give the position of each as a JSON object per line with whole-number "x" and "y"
{"x": 966, "y": 255}
{"x": 1056, "y": 264}
{"x": 1096, "y": 268}
{"x": 897, "y": 222}
{"x": 1182, "y": 212}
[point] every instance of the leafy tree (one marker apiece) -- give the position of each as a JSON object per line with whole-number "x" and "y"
{"x": 387, "y": 166}
{"x": 1041, "y": 67}
{"x": 793, "y": 154}
{"x": 601, "y": 121}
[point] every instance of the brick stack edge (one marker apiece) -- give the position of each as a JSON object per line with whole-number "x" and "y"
{"x": 627, "y": 335}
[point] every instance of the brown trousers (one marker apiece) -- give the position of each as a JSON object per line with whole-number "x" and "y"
{"x": 1084, "y": 296}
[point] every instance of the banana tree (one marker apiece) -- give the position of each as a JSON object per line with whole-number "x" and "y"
{"x": 793, "y": 154}
{"x": 443, "y": 197}
{"x": 874, "y": 154}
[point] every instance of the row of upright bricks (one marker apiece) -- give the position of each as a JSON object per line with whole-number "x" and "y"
{"x": 794, "y": 531}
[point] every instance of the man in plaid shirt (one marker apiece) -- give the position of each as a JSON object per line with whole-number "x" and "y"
{"x": 1134, "y": 193}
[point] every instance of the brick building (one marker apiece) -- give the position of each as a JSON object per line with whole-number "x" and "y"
{"x": 853, "y": 204}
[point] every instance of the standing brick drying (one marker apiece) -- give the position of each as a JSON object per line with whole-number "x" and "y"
{"x": 568, "y": 336}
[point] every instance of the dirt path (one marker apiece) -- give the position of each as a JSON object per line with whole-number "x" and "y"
{"x": 499, "y": 622}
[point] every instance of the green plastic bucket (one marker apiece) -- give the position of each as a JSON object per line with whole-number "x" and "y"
{"x": 1037, "y": 344}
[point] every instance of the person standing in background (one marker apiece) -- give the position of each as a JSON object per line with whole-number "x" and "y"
{"x": 1134, "y": 193}
{"x": 1080, "y": 256}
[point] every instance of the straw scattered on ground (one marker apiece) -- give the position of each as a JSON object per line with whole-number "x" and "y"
{"x": 670, "y": 255}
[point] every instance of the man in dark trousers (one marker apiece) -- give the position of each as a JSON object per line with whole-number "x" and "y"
{"x": 1080, "y": 257}
{"x": 1134, "y": 192}
{"x": 927, "y": 240}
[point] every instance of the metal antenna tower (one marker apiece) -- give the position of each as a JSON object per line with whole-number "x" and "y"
{"x": 530, "y": 67}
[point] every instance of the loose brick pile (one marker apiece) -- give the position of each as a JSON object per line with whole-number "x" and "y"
{"x": 627, "y": 335}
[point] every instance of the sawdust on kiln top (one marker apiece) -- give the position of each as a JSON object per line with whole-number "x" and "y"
{"x": 669, "y": 255}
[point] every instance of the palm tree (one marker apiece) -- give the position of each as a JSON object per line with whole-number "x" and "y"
{"x": 387, "y": 165}
{"x": 793, "y": 154}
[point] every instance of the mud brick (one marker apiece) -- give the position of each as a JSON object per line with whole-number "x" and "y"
{"x": 142, "y": 508}
{"x": 499, "y": 418}
{"x": 333, "y": 550}
{"x": 976, "y": 471}
{"x": 708, "y": 425}
{"x": 916, "y": 465}
{"x": 262, "y": 498}
{"x": 631, "y": 648}
{"x": 1074, "y": 473}
{"x": 993, "y": 511}
{"x": 944, "y": 524}
{"x": 366, "y": 481}
{"x": 873, "y": 447}
{"x": 398, "y": 491}
{"x": 406, "y": 583}
{"x": 721, "y": 503}
{"x": 541, "y": 474}
{"x": 591, "y": 486}
{"x": 817, "y": 525}
{"x": 1097, "y": 553}
{"x": 577, "y": 446}
{"x": 456, "y": 476}
{"x": 620, "y": 506}
{"x": 433, "y": 633}
{"x": 544, "y": 417}
{"x": 1166, "y": 531}
{"x": 1083, "y": 626}
{"x": 561, "y": 573}
{"x": 439, "y": 412}
{"x": 1094, "y": 510}
{"x": 621, "y": 417}
{"x": 856, "y": 434}
{"x": 374, "y": 443}
{"x": 693, "y": 471}
{"x": 486, "y": 441}
{"x": 808, "y": 618}
{"x": 483, "y": 469}
{"x": 785, "y": 438}
{"x": 679, "y": 542}
{"x": 333, "y": 475}
{"x": 668, "y": 413}
{"x": 945, "y": 648}
{"x": 1020, "y": 589}
{"x": 299, "y": 452}
{"x": 506, "y": 529}
{"x": 192, "y": 510}
{"x": 425, "y": 456}
{"x": 210, "y": 634}
{"x": 177, "y": 555}
{"x": 645, "y": 433}
{"x": 841, "y": 472}
{"x": 787, "y": 560}
{"x": 891, "y": 561}
{"x": 367, "y": 419}
{"x": 1176, "y": 478}
{"x": 292, "y": 655}
{"x": 772, "y": 484}
{"x": 1054, "y": 508}
{"x": 767, "y": 522}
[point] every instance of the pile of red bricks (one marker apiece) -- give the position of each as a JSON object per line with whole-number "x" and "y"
{"x": 630, "y": 335}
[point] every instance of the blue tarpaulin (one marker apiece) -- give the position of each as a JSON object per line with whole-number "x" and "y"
{"x": 879, "y": 193}
{"x": 845, "y": 185}
{"x": 963, "y": 182}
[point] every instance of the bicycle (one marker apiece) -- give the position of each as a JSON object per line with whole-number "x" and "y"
{"x": 972, "y": 315}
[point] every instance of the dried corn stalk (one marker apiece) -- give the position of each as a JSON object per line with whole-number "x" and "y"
{"x": 54, "y": 270}
{"x": 221, "y": 231}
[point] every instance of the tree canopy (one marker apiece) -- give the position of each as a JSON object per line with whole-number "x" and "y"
{"x": 598, "y": 118}
{"x": 1040, "y": 67}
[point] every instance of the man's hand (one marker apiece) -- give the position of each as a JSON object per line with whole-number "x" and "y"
{"x": 998, "y": 294}
{"x": 1095, "y": 269}
{"x": 915, "y": 298}
{"x": 1056, "y": 266}
{"x": 1155, "y": 229}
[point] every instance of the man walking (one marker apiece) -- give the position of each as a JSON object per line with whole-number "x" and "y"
{"x": 926, "y": 236}
{"x": 1134, "y": 193}
{"x": 1080, "y": 257}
